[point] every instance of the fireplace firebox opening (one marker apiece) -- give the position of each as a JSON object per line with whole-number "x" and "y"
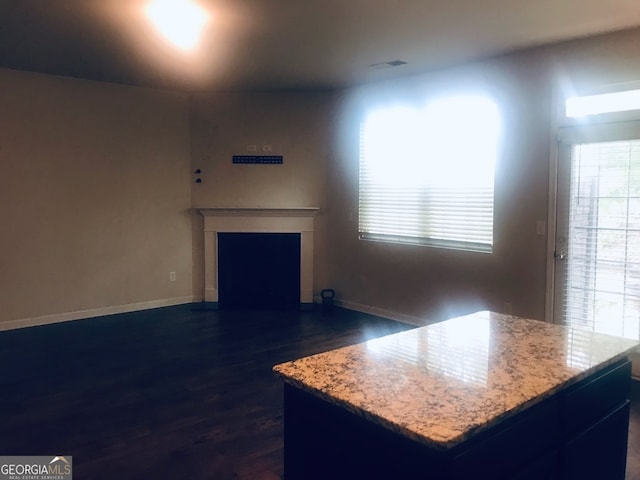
{"x": 258, "y": 270}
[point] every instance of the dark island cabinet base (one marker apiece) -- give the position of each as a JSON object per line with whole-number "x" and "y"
{"x": 600, "y": 451}
{"x": 579, "y": 433}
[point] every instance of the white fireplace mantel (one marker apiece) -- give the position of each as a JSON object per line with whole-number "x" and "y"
{"x": 258, "y": 220}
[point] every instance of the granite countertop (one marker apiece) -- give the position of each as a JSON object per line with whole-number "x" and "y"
{"x": 445, "y": 382}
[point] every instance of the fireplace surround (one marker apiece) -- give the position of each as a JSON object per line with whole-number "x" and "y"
{"x": 258, "y": 220}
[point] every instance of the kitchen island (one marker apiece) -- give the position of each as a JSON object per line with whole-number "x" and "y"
{"x": 481, "y": 396}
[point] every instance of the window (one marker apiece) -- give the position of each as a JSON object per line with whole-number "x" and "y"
{"x": 603, "y": 277}
{"x": 583, "y": 106}
{"x": 427, "y": 173}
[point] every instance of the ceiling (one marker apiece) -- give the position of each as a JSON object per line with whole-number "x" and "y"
{"x": 289, "y": 44}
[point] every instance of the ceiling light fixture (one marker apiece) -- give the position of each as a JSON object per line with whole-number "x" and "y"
{"x": 179, "y": 21}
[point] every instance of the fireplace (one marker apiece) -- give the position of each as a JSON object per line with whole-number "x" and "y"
{"x": 259, "y": 270}
{"x": 299, "y": 221}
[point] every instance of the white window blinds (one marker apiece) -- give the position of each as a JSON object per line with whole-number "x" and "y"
{"x": 603, "y": 276}
{"x": 427, "y": 175}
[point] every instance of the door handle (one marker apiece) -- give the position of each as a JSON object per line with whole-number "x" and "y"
{"x": 561, "y": 255}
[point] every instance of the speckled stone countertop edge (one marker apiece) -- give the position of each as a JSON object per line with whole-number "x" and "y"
{"x": 472, "y": 432}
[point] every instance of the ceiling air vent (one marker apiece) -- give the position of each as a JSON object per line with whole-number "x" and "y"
{"x": 390, "y": 64}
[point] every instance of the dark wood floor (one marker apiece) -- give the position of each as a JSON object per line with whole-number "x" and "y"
{"x": 171, "y": 393}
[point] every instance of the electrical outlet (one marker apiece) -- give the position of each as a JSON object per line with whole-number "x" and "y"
{"x": 172, "y": 276}
{"x": 506, "y": 309}
{"x": 541, "y": 228}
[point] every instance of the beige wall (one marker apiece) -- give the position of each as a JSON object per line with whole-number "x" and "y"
{"x": 94, "y": 198}
{"x": 97, "y": 187}
{"x": 424, "y": 284}
{"x": 296, "y": 125}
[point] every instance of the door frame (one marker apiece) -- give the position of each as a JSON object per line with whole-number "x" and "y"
{"x": 608, "y": 127}
{"x": 565, "y": 137}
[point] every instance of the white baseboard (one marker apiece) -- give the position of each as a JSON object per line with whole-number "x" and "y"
{"x": 94, "y": 312}
{"x": 380, "y": 312}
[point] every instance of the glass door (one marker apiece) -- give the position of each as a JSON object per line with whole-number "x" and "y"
{"x": 597, "y": 247}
